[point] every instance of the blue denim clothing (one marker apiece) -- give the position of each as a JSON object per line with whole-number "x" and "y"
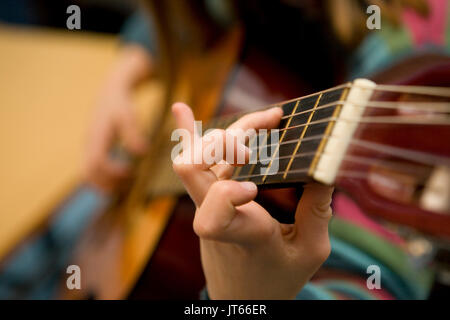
{"x": 34, "y": 269}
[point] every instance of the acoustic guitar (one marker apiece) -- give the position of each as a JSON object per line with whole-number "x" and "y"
{"x": 386, "y": 145}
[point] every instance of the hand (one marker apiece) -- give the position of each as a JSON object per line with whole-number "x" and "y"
{"x": 246, "y": 254}
{"x": 114, "y": 122}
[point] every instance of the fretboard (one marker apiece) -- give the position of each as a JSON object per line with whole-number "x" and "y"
{"x": 309, "y": 132}
{"x": 307, "y": 125}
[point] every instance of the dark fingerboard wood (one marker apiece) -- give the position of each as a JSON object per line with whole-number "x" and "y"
{"x": 301, "y": 133}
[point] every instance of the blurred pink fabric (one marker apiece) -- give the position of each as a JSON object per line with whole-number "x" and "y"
{"x": 431, "y": 29}
{"x": 346, "y": 209}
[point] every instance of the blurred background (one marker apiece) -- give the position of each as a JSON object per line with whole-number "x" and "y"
{"x": 43, "y": 13}
{"x": 50, "y": 82}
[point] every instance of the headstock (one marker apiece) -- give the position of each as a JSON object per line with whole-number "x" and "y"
{"x": 399, "y": 170}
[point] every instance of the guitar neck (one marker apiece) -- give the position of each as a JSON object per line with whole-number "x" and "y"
{"x": 310, "y": 144}
{"x": 311, "y": 140}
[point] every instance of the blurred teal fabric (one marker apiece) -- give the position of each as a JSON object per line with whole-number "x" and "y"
{"x": 35, "y": 268}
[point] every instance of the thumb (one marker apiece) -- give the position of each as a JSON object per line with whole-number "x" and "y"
{"x": 313, "y": 214}
{"x": 184, "y": 116}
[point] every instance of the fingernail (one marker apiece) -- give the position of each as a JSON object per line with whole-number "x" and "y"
{"x": 250, "y": 186}
{"x": 275, "y": 109}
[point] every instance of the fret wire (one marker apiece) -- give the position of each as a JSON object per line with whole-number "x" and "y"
{"x": 312, "y": 138}
{"x": 325, "y": 106}
{"x": 238, "y": 170}
{"x": 329, "y": 119}
{"x": 302, "y": 135}
{"x": 311, "y": 153}
{"x": 252, "y": 168}
{"x": 312, "y": 123}
{"x": 296, "y": 140}
{"x": 281, "y": 140}
{"x": 282, "y": 103}
{"x": 342, "y": 86}
{"x": 300, "y": 155}
{"x": 259, "y": 153}
{"x": 345, "y": 85}
{"x": 278, "y": 174}
{"x": 327, "y": 132}
{"x": 230, "y": 119}
{"x": 305, "y": 154}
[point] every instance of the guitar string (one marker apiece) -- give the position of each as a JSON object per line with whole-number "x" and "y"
{"x": 395, "y": 120}
{"x": 379, "y": 120}
{"x": 406, "y": 120}
{"x": 312, "y": 138}
{"x": 321, "y": 136}
{"x": 404, "y": 167}
{"x": 412, "y": 168}
{"x": 414, "y": 90}
{"x": 399, "y": 152}
{"x": 419, "y": 119}
{"x": 415, "y": 156}
{"x": 418, "y": 90}
{"x": 353, "y": 174}
{"x": 440, "y": 107}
